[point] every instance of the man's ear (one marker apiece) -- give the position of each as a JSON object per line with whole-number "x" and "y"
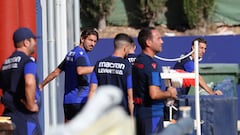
{"x": 26, "y": 42}
{"x": 81, "y": 40}
{"x": 148, "y": 42}
{"x": 125, "y": 48}
{"x": 193, "y": 47}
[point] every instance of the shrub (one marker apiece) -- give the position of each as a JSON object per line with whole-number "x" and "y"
{"x": 97, "y": 9}
{"x": 197, "y": 11}
{"x": 151, "y": 9}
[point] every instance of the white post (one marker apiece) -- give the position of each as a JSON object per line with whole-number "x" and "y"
{"x": 61, "y": 50}
{"x": 45, "y": 66}
{"x": 61, "y": 30}
{"x": 50, "y": 102}
{"x": 197, "y": 100}
{"x": 53, "y": 57}
{"x": 76, "y": 22}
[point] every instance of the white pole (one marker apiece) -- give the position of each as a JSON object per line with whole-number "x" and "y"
{"x": 61, "y": 50}
{"x": 76, "y": 22}
{"x": 60, "y": 29}
{"x": 52, "y": 58}
{"x": 70, "y": 24}
{"x": 45, "y": 66}
{"x": 63, "y": 31}
{"x": 197, "y": 101}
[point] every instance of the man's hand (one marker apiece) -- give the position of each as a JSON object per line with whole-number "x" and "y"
{"x": 218, "y": 92}
{"x": 173, "y": 92}
{"x": 40, "y": 86}
{"x": 32, "y": 107}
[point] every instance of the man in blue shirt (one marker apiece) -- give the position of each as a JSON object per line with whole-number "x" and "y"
{"x": 148, "y": 95}
{"x": 116, "y": 70}
{"x": 131, "y": 57}
{"x": 187, "y": 64}
{"x": 19, "y": 83}
{"x": 77, "y": 68}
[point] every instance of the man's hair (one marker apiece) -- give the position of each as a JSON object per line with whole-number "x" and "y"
{"x": 200, "y": 40}
{"x": 89, "y": 31}
{"x": 144, "y": 35}
{"x": 19, "y": 44}
{"x": 121, "y": 39}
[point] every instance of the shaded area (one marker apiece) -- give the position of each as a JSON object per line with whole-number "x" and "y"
{"x": 175, "y": 15}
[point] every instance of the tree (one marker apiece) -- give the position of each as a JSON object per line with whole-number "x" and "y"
{"x": 151, "y": 10}
{"x": 197, "y": 11}
{"x": 98, "y": 9}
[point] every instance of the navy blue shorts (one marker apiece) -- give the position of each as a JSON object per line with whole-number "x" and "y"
{"x": 25, "y": 124}
{"x": 148, "y": 126}
{"x": 71, "y": 110}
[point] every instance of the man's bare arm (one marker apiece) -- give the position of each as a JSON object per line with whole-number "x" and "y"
{"x": 82, "y": 70}
{"x": 50, "y": 77}
{"x": 156, "y": 93}
{"x": 92, "y": 90}
{"x": 130, "y": 101}
{"x": 30, "y": 92}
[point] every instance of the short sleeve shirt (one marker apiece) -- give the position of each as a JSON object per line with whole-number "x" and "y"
{"x": 114, "y": 71}
{"x": 146, "y": 72}
{"x": 76, "y": 86}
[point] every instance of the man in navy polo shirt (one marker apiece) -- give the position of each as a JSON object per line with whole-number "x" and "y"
{"x": 148, "y": 95}
{"x": 19, "y": 83}
{"x": 131, "y": 57}
{"x": 187, "y": 64}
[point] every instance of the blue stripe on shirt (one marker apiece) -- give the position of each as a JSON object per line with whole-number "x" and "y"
{"x": 94, "y": 78}
{"x": 156, "y": 78}
{"x": 129, "y": 81}
{"x": 30, "y": 68}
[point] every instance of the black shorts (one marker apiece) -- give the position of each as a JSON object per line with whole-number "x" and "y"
{"x": 71, "y": 110}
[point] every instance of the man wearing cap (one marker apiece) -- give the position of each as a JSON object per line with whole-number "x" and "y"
{"x": 19, "y": 83}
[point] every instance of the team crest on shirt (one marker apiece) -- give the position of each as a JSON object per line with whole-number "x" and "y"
{"x": 81, "y": 53}
{"x": 154, "y": 65}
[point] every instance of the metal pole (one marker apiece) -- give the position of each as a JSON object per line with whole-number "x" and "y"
{"x": 52, "y": 61}
{"x": 63, "y": 32}
{"x": 197, "y": 101}
{"x": 61, "y": 50}
{"x": 76, "y": 22}
{"x": 45, "y": 67}
{"x": 70, "y": 23}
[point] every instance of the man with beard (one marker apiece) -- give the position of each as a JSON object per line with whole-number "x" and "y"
{"x": 77, "y": 68}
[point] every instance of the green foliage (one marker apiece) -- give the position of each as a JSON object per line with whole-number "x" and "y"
{"x": 96, "y": 8}
{"x": 197, "y": 11}
{"x": 191, "y": 13}
{"x": 151, "y": 9}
